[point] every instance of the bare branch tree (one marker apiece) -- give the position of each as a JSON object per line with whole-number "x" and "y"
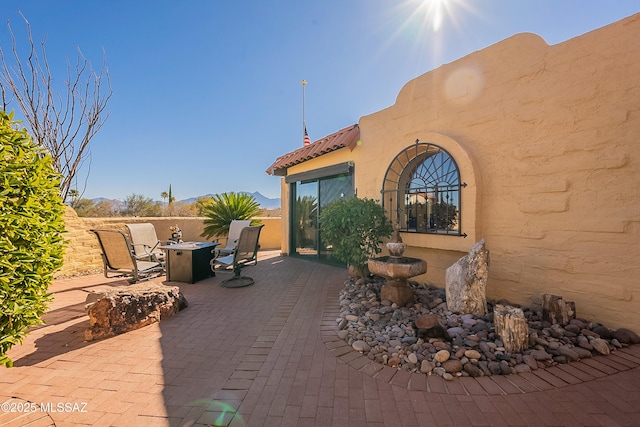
{"x": 64, "y": 123}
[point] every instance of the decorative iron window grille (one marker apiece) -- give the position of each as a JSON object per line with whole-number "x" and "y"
{"x": 421, "y": 191}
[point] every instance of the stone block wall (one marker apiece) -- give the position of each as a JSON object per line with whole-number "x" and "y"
{"x": 82, "y": 253}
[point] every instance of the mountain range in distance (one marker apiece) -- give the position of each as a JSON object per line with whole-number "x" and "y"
{"x": 264, "y": 201}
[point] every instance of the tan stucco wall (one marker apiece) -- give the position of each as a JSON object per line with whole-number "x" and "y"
{"x": 82, "y": 253}
{"x": 546, "y": 137}
{"x": 285, "y": 224}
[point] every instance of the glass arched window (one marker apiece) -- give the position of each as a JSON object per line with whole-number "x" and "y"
{"x": 421, "y": 190}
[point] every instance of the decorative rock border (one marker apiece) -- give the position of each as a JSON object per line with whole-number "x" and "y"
{"x": 547, "y": 378}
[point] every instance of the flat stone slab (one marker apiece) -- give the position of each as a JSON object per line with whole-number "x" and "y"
{"x": 401, "y": 268}
{"x": 126, "y": 308}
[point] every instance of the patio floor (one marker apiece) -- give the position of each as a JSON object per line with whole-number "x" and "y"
{"x": 268, "y": 355}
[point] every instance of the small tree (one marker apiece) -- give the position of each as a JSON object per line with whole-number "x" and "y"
{"x": 104, "y": 209}
{"x": 138, "y": 205}
{"x": 65, "y": 119}
{"x": 201, "y": 203}
{"x": 171, "y": 200}
{"x": 183, "y": 209}
{"x": 224, "y": 208}
{"x": 164, "y": 196}
{"x": 31, "y": 226}
{"x": 354, "y": 229}
{"x": 83, "y": 207}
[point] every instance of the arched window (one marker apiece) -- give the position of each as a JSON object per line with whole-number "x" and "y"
{"x": 421, "y": 190}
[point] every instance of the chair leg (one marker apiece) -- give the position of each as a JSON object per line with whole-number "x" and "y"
{"x": 237, "y": 282}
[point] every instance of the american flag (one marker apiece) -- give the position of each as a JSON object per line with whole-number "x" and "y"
{"x": 307, "y": 140}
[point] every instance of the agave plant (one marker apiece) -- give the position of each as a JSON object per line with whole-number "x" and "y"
{"x": 223, "y": 208}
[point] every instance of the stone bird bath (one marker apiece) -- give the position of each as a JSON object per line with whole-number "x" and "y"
{"x": 397, "y": 269}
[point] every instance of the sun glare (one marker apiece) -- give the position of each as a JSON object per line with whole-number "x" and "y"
{"x": 426, "y": 24}
{"x": 434, "y": 12}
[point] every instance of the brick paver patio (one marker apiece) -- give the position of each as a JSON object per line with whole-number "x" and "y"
{"x": 268, "y": 355}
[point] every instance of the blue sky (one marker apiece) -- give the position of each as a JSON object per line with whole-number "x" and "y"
{"x": 207, "y": 93}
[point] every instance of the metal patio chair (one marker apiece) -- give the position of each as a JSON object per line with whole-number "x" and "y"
{"x": 119, "y": 258}
{"x": 145, "y": 242}
{"x": 246, "y": 252}
{"x": 235, "y": 228}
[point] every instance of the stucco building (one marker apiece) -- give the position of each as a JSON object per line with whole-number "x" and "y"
{"x": 534, "y": 148}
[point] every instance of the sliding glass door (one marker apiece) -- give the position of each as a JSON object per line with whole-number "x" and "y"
{"x": 308, "y": 200}
{"x": 305, "y": 219}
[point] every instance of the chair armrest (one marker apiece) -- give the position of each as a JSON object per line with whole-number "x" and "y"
{"x": 225, "y": 261}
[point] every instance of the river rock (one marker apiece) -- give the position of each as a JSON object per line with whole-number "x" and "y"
{"x": 426, "y": 366}
{"x": 452, "y": 366}
{"x": 603, "y": 331}
{"x": 540, "y": 355}
{"x": 626, "y": 336}
{"x": 392, "y": 333}
{"x": 360, "y": 346}
{"x": 569, "y": 353}
{"x": 472, "y": 354}
{"x": 600, "y": 345}
{"x": 583, "y": 342}
{"x": 530, "y": 361}
{"x": 473, "y": 370}
{"x": 494, "y": 368}
{"x": 583, "y": 353}
{"x": 442, "y": 356}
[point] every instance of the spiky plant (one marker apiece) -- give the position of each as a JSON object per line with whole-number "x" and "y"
{"x": 223, "y": 208}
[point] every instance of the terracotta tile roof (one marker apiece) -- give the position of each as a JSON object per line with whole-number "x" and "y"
{"x": 347, "y": 137}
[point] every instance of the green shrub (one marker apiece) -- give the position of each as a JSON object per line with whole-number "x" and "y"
{"x": 223, "y": 208}
{"x": 31, "y": 226}
{"x": 354, "y": 228}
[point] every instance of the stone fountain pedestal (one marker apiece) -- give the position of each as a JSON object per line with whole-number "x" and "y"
{"x": 397, "y": 271}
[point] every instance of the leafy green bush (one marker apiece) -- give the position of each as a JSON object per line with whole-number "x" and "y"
{"x": 139, "y": 205}
{"x": 354, "y": 228}
{"x": 31, "y": 226}
{"x": 223, "y": 208}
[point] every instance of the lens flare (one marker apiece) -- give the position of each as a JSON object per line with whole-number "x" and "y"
{"x": 434, "y": 11}
{"x": 464, "y": 84}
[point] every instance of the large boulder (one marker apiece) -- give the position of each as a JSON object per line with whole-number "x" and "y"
{"x": 126, "y": 308}
{"x": 466, "y": 282}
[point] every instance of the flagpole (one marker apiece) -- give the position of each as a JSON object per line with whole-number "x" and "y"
{"x": 304, "y": 125}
